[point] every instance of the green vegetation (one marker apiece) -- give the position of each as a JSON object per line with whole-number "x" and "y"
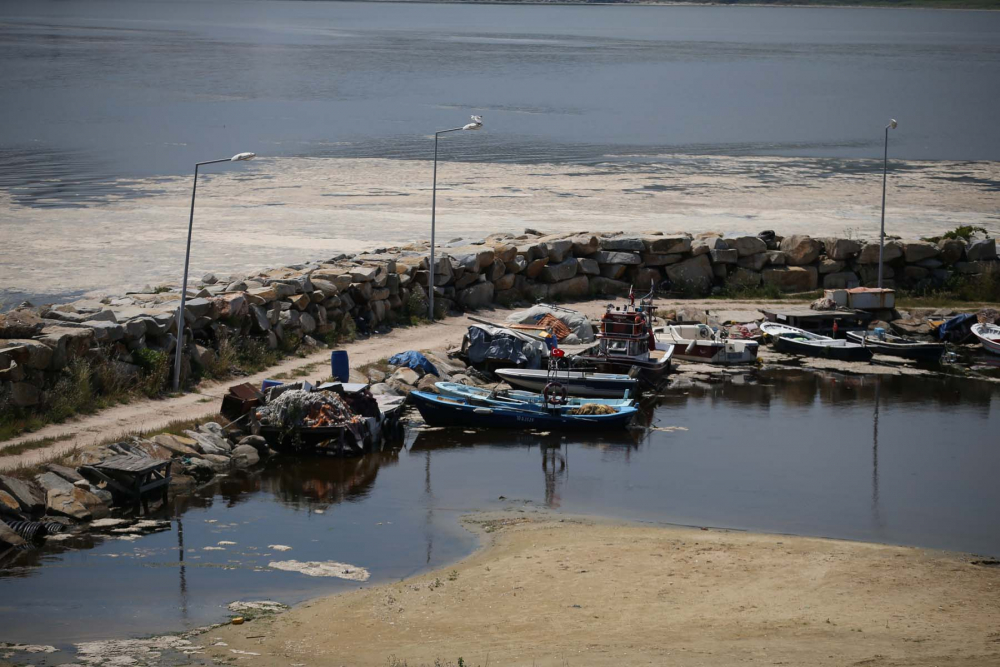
{"x": 963, "y": 232}
{"x": 960, "y": 291}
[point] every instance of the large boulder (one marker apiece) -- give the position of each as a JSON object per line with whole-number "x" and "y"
{"x": 473, "y": 257}
{"x": 984, "y": 250}
{"x": 245, "y": 456}
{"x": 600, "y": 286}
{"x": 209, "y": 443}
{"x": 706, "y": 244}
{"x": 559, "y": 249}
{"x": 830, "y": 266}
{"x": 952, "y": 250}
{"x": 623, "y": 244}
{"x": 613, "y": 271}
{"x": 869, "y": 254}
{"x": 726, "y": 256}
{"x": 29, "y": 496}
{"x": 504, "y": 252}
{"x": 9, "y": 537}
{"x": 28, "y": 353}
{"x": 574, "y": 288}
{"x": 743, "y": 278}
{"x": 533, "y": 251}
{"x": 177, "y": 444}
{"x": 747, "y": 245}
{"x": 668, "y": 245}
{"x": 645, "y": 277}
{"x": 505, "y": 282}
{"x": 656, "y": 259}
{"x": 534, "y": 268}
{"x": 753, "y": 262}
{"x": 587, "y": 266}
{"x": 585, "y": 245}
{"x": 67, "y": 344}
{"x": 693, "y": 274}
{"x": 65, "y": 499}
{"x": 564, "y": 270}
{"x": 20, "y": 324}
{"x": 792, "y": 278}
{"x": 915, "y": 251}
{"x": 516, "y": 265}
{"x": 841, "y": 249}
{"x": 615, "y": 257}
{"x": 841, "y": 280}
{"x": 800, "y": 250}
{"x": 477, "y": 296}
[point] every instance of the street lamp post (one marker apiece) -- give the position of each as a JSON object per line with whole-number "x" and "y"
{"x": 476, "y": 124}
{"x": 239, "y": 157}
{"x": 885, "y": 170}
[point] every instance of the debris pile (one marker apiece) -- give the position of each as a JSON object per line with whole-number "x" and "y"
{"x": 298, "y": 408}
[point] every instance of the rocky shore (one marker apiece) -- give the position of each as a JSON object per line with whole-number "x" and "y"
{"x": 305, "y": 305}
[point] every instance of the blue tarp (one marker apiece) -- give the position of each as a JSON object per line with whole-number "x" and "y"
{"x": 414, "y": 360}
{"x": 957, "y": 328}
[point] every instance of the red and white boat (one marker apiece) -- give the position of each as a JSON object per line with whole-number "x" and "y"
{"x": 989, "y": 336}
{"x": 626, "y": 344}
{"x": 701, "y": 343}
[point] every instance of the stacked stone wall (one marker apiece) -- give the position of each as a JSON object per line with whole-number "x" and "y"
{"x": 309, "y": 303}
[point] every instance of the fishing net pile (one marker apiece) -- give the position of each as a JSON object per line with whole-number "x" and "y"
{"x": 298, "y": 408}
{"x": 593, "y": 409}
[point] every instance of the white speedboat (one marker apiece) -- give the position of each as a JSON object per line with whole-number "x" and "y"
{"x": 988, "y": 335}
{"x": 702, "y": 343}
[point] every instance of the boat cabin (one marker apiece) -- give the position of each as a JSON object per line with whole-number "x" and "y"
{"x": 627, "y": 332}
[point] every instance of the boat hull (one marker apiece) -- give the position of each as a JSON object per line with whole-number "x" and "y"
{"x": 843, "y": 352}
{"x": 530, "y": 400}
{"x": 988, "y": 335}
{"x": 577, "y": 383}
{"x": 443, "y": 411}
{"x": 917, "y": 351}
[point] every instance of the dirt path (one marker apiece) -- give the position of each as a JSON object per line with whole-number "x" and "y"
{"x": 574, "y": 591}
{"x": 153, "y": 414}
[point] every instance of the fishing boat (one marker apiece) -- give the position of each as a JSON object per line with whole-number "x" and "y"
{"x": 440, "y": 410}
{"x": 576, "y": 383}
{"x": 626, "y": 344}
{"x": 702, "y": 343}
{"x": 882, "y": 342}
{"x": 526, "y": 399}
{"x": 798, "y": 341}
{"x": 989, "y": 336}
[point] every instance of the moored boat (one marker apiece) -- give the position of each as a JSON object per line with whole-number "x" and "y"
{"x": 881, "y": 342}
{"x": 701, "y": 343}
{"x": 798, "y": 341}
{"x": 440, "y": 410}
{"x": 627, "y": 345}
{"x": 577, "y": 383}
{"x": 515, "y": 397}
{"x": 988, "y": 335}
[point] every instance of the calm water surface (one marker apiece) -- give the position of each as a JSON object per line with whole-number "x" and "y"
{"x": 100, "y": 89}
{"x": 888, "y": 460}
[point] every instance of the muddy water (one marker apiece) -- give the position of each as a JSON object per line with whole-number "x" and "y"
{"x": 890, "y": 460}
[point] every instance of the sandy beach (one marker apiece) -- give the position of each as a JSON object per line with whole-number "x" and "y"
{"x": 547, "y": 589}
{"x": 273, "y": 211}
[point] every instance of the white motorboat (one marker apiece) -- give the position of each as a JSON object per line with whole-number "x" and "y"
{"x": 702, "y": 343}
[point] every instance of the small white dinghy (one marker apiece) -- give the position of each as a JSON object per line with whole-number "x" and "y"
{"x": 989, "y": 336}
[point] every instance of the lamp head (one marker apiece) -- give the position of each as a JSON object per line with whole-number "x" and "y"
{"x": 476, "y": 124}
{"x": 239, "y": 157}
{"x": 893, "y": 123}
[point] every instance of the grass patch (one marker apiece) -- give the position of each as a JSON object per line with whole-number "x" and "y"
{"x": 379, "y": 365}
{"x": 963, "y": 232}
{"x": 30, "y": 445}
{"x": 960, "y": 291}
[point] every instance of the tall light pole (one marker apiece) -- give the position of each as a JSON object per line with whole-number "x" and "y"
{"x": 476, "y": 124}
{"x": 239, "y": 157}
{"x": 885, "y": 170}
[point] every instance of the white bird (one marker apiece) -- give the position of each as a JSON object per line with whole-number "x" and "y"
{"x": 477, "y": 123}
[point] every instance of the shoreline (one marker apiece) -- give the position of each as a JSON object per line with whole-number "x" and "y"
{"x": 886, "y": 4}
{"x": 281, "y": 211}
{"x": 602, "y": 590}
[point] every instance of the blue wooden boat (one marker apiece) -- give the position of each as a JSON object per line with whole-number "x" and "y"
{"x": 450, "y": 411}
{"x": 514, "y": 397}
